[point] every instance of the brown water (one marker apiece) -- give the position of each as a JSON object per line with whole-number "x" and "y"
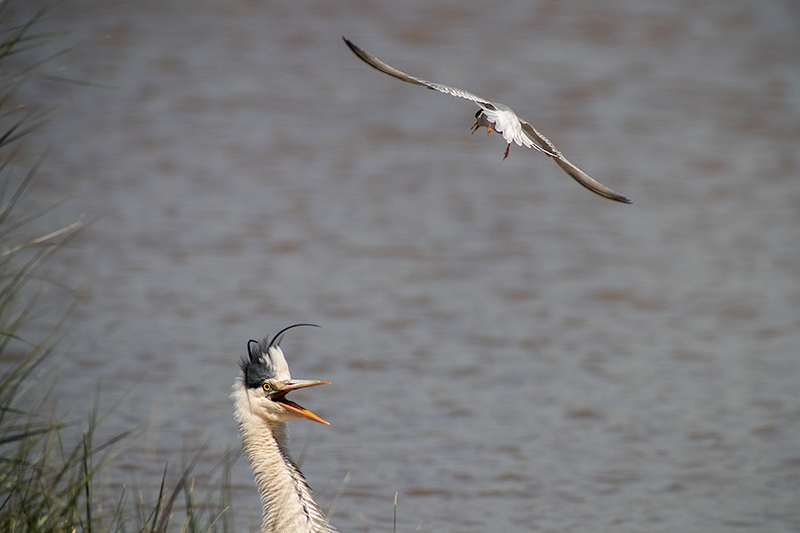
{"x": 507, "y": 351}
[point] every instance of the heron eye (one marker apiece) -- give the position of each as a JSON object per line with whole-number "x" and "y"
{"x": 267, "y": 387}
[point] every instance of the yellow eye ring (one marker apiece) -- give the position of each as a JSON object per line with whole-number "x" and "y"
{"x": 267, "y": 387}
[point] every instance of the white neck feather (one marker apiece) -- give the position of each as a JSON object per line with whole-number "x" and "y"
{"x": 285, "y": 497}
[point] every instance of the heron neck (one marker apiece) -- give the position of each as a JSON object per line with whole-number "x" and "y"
{"x": 286, "y": 499}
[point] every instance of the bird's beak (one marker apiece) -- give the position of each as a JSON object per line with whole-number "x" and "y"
{"x": 475, "y": 127}
{"x": 297, "y": 409}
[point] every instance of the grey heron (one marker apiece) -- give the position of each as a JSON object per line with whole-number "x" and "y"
{"x": 262, "y": 410}
{"x": 503, "y": 119}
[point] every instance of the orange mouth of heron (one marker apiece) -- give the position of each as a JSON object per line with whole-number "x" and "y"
{"x": 295, "y": 408}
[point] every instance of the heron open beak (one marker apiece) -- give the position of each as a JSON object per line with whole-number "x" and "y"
{"x": 293, "y": 407}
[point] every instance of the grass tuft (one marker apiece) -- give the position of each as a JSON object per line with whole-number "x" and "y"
{"x": 49, "y": 463}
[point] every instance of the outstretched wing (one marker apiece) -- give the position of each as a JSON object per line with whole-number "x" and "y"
{"x": 574, "y": 172}
{"x": 377, "y": 64}
{"x": 496, "y": 113}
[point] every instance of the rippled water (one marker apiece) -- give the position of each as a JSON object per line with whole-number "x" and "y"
{"x": 507, "y": 351}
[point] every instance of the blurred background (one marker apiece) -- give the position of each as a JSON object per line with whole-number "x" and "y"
{"x": 507, "y": 351}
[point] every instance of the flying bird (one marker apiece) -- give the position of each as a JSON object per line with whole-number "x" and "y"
{"x": 504, "y": 121}
{"x": 262, "y": 410}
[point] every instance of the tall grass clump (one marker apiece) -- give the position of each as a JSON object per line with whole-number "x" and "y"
{"x": 49, "y": 462}
{"x": 45, "y": 483}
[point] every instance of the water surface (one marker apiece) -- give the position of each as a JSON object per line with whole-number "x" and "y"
{"x": 507, "y": 351}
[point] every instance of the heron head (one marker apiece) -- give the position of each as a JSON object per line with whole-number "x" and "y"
{"x": 267, "y": 381}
